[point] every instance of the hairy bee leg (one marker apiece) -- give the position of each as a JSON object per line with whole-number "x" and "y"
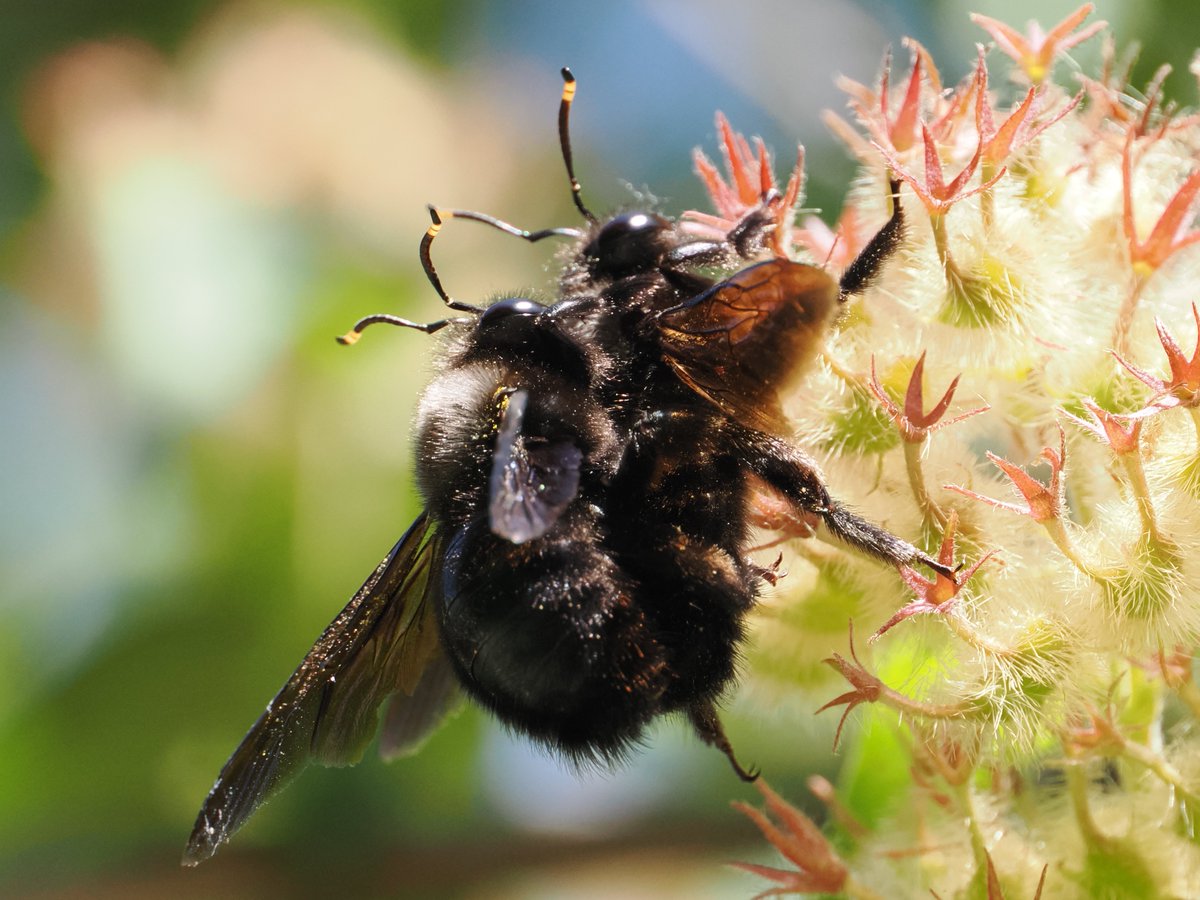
{"x": 797, "y": 478}
{"x": 703, "y": 717}
{"x": 865, "y": 267}
{"x": 743, "y": 241}
{"x": 876, "y": 540}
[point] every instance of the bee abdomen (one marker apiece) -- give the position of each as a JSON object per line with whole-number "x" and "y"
{"x": 549, "y": 637}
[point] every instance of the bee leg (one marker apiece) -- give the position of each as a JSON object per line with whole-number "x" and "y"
{"x": 703, "y": 717}
{"x": 876, "y": 540}
{"x": 862, "y": 271}
{"x": 798, "y": 480}
{"x": 744, "y": 241}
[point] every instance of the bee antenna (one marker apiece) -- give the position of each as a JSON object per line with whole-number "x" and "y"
{"x": 351, "y": 337}
{"x": 500, "y": 225}
{"x": 431, "y": 232}
{"x": 438, "y": 217}
{"x": 564, "y": 140}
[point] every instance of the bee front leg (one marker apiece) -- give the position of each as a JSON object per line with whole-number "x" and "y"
{"x": 797, "y": 479}
{"x": 865, "y": 267}
{"x": 876, "y": 540}
{"x": 745, "y": 240}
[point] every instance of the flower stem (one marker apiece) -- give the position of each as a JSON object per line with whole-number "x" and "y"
{"x": 941, "y": 240}
{"x": 1120, "y": 339}
{"x": 1166, "y": 772}
{"x": 1141, "y": 493}
{"x": 979, "y": 641}
{"x": 1077, "y": 786}
{"x": 987, "y": 205}
{"x": 907, "y": 704}
{"x": 852, "y": 381}
{"x": 966, "y": 801}
{"x": 916, "y": 482}
{"x": 1058, "y": 534}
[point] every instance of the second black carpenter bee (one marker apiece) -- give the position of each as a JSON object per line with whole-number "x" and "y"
{"x": 581, "y": 566}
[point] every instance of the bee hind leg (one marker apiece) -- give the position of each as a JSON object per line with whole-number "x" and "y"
{"x": 703, "y": 717}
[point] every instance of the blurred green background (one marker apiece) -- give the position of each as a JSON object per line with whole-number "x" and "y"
{"x": 194, "y": 198}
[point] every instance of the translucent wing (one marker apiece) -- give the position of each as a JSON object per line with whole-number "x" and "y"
{"x": 412, "y": 717}
{"x": 533, "y": 479}
{"x": 328, "y": 710}
{"x": 744, "y": 339}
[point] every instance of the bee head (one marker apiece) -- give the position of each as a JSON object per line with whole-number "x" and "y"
{"x": 522, "y": 329}
{"x": 628, "y": 244}
{"x": 508, "y": 312}
{"x": 512, "y": 324}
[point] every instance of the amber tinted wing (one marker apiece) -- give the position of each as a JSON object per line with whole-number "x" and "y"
{"x": 328, "y": 710}
{"x": 742, "y": 340}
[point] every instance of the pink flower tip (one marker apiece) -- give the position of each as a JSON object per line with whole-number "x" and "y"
{"x": 818, "y": 867}
{"x": 913, "y": 422}
{"x": 1043, "y": 500}
{"x": 1036, "y": 50}
{"x": 1183, "y": 387}
{"x": 939, "y": 594}
{"x": 865, "y": 687}
{"x": 1170, "y": 233}
{"x": 750, "y": 187}
{"x": 1120, "y": 432}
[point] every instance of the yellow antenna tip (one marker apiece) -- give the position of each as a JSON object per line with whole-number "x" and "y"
{"x": 349, "y": 339}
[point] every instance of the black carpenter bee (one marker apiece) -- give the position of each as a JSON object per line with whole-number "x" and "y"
{"x": 581, "y": 566}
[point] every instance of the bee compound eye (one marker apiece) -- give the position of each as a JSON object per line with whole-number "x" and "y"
{"x": 505, "y": 309}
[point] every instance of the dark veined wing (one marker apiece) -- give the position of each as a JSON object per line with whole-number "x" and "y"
{"x": 380, "y": 644}
{"x": 744, "y": 339}
{"x": 533, "y": 479}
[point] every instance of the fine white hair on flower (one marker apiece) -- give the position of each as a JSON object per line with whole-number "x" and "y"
{"x": 1047, "y": 273}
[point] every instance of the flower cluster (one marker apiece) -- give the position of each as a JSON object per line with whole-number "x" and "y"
{"x": 1033, "y": 715}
